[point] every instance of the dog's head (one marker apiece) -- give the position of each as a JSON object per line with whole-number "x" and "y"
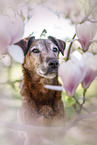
{"x": 41, "y": 55}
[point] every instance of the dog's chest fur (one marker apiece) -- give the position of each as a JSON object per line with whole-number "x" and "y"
{"x": 40, "y": 107}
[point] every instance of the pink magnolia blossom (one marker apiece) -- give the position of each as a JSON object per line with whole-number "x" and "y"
{"x": 11, "y": 30}
{"x": 90, "y": 68}
{"x": 80, "y": 69}
{"x": 86, "y": 33}
{"x": 16, "y": 53}
{"x": 71, "y": 74}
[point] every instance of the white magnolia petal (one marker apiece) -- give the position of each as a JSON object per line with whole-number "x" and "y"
{"x": 86, "y": 31}
{"x": 88, "y": 60}
{"x": 93, "y": 41}
{"x": 90, "y": 68}
{"x": 71, "y": 75}
{"x": 89, "y": 77}
{"x": 16, "y": 29}
{"x": 11, "y": 31}
{"x": 16, "y": 53}
{"x": 76, "y": 54}
{"x": 93, "y": 47}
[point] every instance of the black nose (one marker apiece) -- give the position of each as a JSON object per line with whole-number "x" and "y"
{"x": 53, "y": 63}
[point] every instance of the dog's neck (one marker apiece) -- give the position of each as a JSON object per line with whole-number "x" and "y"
{"x": 33, "y": 88}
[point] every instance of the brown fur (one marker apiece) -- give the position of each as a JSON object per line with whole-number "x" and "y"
{"x": 41, "y": 102}
{"x": 40, "y": 106}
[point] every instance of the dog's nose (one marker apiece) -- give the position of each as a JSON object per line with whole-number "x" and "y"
{"x": 53, "y": 63}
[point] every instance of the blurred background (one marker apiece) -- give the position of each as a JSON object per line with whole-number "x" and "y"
{"x": 59, "y": 19}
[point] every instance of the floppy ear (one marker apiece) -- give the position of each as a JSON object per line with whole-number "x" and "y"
{"x": 18, "y": 50}
{"x": 25, "y": 44}
{"x": 61, "y": 44}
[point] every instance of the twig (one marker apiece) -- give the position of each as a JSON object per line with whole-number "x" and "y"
{"x": 43, "y": 33}
{"x": 76, "y": 108}
{"x": 92, "y": 21}
{"x": 68, "y": 54}
{"x": 84, "y": 97}
{"x": 80, "y": 105}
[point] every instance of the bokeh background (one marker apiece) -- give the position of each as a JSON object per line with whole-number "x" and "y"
{"x": 58, "y": 18}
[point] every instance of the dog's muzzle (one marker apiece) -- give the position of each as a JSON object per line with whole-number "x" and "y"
{"x": 49, "y": 68}
{"x": 53, "y": 66}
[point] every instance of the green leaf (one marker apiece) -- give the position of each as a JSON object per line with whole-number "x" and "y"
{"x": 23, "y": 17}
{"x": 44, "y": 32}
{"x": 70, "y": 101}
{"x": 79, "y": 48}
{"x": 64, "y": 96}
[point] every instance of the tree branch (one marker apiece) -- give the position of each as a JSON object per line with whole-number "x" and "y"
{"x": 70, "y": 46}
{"x": 80, "y": 106}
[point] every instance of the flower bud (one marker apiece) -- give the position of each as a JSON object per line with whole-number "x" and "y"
{"x": 86, "y": 33}
{"x": 71, "y": 74}
{"x": 90, "y": 68}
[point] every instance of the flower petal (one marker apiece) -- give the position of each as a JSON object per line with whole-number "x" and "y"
{"x": 16, "y": 53}
{"x": 76, "y": 55}
{"x": 71, "y": 75}
{"x": 86, "y": 32}
{"x": 90, "y": 68}
{"x": 11, "y": 30}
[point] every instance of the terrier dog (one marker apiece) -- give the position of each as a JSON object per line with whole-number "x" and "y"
{"x": 40, "y": 106}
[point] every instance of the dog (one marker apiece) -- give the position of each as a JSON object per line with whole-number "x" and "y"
{"x": 40, "y": 106}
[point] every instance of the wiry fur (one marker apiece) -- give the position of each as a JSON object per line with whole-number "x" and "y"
{"x": 40, "y": 106}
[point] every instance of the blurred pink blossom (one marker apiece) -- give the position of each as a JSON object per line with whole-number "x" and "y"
{"x": 86, "y": 33}
{"x": 90, "y": 68}
{"x": 71, "y": 74}
{"x": 16, "y": 52}
{"x": 79, "y": 69}
{"x": 11, "y": 30}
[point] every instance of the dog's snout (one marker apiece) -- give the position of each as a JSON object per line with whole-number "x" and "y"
{"x": 53, "y": 63}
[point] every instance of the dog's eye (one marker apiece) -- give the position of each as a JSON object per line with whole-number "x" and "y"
{"x": 35, "y": 50}
{"x": 55, "y": 49}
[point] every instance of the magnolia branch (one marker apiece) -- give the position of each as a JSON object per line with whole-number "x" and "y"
{"x": 80, "y": 105}
{"x": 70, "y": 46}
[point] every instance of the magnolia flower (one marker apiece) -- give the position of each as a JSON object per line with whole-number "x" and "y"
{"x": 11, "y": 30}
{"x": 76, "y": 55}
{"x": 86, "y": 33}
{"x": 16, "y": 53}
{"x": 71, "y": 74}
{"x": 90, "y": 68}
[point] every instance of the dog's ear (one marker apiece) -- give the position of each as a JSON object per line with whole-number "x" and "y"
{"x": 61, "y": 44}
{"x": 25, "y": 44}
{"x": 19, "y": 49}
